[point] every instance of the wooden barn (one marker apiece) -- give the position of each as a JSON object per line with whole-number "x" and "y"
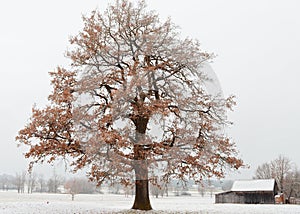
{"x": 260, "y": 191}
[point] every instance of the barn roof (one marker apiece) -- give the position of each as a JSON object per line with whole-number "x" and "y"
{"x": 253, "y": 185}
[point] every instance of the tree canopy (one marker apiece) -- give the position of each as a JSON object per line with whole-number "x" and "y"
{"x": 133, "y": 102}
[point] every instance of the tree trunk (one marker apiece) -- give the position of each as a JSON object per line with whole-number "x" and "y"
{"x": 141, "y": 200}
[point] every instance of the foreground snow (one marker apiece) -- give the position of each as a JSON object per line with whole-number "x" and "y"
{"x": 11, "y": 202}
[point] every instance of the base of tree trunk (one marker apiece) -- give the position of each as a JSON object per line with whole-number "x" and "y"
{"x": 141, "y": 200}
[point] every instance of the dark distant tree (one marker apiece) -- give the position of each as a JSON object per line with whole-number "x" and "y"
{"x": 133, "y": 99}
{"x": 281, "y": 170}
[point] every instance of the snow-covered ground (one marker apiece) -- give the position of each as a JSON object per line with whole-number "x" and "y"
{"x": 11, "y": 202}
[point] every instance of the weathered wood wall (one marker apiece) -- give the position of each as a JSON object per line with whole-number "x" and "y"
{"x": 245, "y": 197}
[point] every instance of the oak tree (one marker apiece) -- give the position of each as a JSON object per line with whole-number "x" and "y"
{"x": 133, "y": 100}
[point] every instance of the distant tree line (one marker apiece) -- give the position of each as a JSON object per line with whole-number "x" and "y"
{"x": 25, "y": 182}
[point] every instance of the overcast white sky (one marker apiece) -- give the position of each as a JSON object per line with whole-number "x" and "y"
{"x": 257, "y": 43}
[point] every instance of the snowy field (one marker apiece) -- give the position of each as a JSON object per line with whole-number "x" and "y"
{"x": 11, "y": 202}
